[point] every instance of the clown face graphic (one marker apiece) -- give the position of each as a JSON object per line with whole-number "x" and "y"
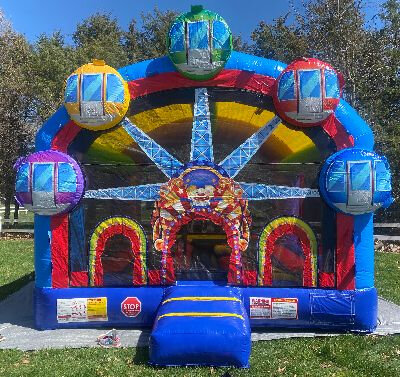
{"x": 200, "y": 186}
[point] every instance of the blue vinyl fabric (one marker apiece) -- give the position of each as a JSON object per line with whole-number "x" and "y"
{"x": 43, "y": 141}
{"x": 42, "y": 258}
{"x": 364, "y": 250}
{"x": 355, "y": 126}
{"x": 22, "y": 179}
{"x": 92, "y": 87}
{"x": 318, "y": 309}
{"x": 71, "y": 89}
{"x": 358, "y": 167}
{"x": 45, "y": 302}
{"x": 237, "y": 60}
{"x": 114, "y": 89}
{"x": 160, "y": 156}
{"x": 187, "y": 339}
{"x": 310, "y": 83}
{"x": 321, "y": 309}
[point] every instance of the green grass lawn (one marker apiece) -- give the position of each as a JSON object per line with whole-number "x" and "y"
{"x": 16, "y": 265}
{"x": 25, "y": 220}
{"x": 387, "y": 276}
{"x": 345, "y": 355}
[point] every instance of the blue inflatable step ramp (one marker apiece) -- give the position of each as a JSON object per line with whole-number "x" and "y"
{"x": 201, "y": 325}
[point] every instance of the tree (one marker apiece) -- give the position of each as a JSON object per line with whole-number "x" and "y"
{"x": 386, "y": 103}
{"x": 151, "y": 40}
{"x": 52, "y": 62}
{"x": 100, "y": 37}
{"x": 279, "y": 40}
{"x": 17, "y": 123}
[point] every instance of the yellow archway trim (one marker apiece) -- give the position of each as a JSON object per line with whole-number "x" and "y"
{"x": 275, "y": 224}
{"x": 98, "y": 232}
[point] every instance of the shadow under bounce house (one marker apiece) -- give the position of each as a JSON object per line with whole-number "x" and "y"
{"x": 205, "y": 193}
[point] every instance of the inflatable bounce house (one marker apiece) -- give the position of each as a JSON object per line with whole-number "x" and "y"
{"x": 205, "y": 193}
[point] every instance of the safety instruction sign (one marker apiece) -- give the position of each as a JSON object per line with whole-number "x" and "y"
{"x": 273, "y": 308}
{"x": 284, "y": 308}
{"x": 260, "y": 307}
{"x": 82, "y": 309}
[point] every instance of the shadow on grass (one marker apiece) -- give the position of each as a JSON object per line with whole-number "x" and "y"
{"x": 141, "y": 355}
{"x": 16, "y": 285}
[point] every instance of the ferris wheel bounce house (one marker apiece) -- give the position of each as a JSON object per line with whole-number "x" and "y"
{"x": 204, "y": 193}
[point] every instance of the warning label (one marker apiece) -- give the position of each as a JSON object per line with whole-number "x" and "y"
{"x": 82, "y": 310}
{"x": 273, "y": 308}
{"x": 284, "y": 308}
{"x": 260, "y": 307}
{"x": 97, "y": 309}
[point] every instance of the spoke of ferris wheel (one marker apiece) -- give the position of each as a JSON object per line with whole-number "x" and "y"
{"x": 150, "y": 192}
{"x": 257, "y": 191}
{"x": 201, "y": 145}
{"x": 167, "y": 163}
{"x": 238, "y": 159}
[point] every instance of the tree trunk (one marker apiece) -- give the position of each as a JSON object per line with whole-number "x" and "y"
{"x": 7, "y": 208}
{"x": 16, "y": 212}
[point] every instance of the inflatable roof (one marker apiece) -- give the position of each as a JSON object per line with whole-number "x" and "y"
{"x": 207, "y": 189}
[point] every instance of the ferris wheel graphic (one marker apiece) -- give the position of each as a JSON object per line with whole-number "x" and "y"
{"x": 201, "y": 189}
{"x": 201, "y": 155}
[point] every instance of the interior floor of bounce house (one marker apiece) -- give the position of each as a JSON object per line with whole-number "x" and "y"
{"x": 204, "y": 194}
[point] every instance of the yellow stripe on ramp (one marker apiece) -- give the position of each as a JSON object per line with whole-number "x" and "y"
{"x": 201, "y": 314}
{"x": 200, "y": 298}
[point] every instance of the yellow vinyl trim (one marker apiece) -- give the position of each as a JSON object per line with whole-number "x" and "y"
{"x": 200, "y": 298}
{"x": 201, "y": 314}
{"x": 283, "y": 143}
{"x": 132, "y": 224}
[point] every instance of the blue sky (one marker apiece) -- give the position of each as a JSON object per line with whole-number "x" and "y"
{"x": 34, "y": 17}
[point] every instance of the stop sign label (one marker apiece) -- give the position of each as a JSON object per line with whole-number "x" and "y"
{"x": 131, "y": 307}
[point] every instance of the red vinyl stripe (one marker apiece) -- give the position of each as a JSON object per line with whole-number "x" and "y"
{"x": 338, "y": 133}
{"x": 326, "y": 279}
{"x": 229, "y": 78}
{"x": 59, "y": 251}
{"x": 65, "y": 136}
{"x": 79, "y": 279}
{"x": 345, "y": 260}
{"x": 59, "y": 224}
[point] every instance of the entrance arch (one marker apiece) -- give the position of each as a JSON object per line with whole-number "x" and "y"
{"x": 205, "y": 193}
{"x": 201, "y": 252}
{"x": 168, "y": 236}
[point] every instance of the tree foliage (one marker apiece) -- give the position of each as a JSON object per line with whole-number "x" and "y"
{"x": 150, "y": 41}
{"x": 52, "y": 61}
{"x": 16, "y": 123}
{"x": 100, "y": 37}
